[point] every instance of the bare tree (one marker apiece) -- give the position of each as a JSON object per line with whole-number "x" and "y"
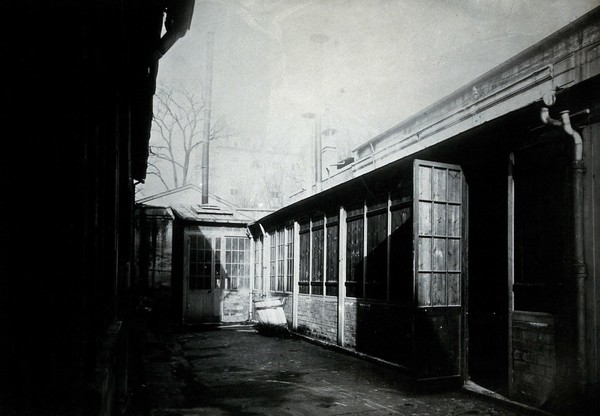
{"x": 176, "y": 139}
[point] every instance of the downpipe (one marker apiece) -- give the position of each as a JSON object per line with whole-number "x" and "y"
{"x": 579, "y": 267}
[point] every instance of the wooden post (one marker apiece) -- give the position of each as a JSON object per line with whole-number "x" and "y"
{"x": 342, "y": 237}
{"x": 296, "y": 277}
{"x": 511, "y": 265}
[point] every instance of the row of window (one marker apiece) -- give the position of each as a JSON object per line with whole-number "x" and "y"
{"x": 380, "y": 242}
{"x": 375, "y": 276}
{"x": 379, "y": 255}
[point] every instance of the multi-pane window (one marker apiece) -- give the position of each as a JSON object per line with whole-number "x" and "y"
{"x": 331, "y": 264}
{"x": 439, "y": 236}
{"x": 304, "y": 260}
{"x": 289, "y": 233}
{"x": 354, "y": 252}
{"x": 318, "y": 242}
{"x": 258, "y": 265}
{"x": 200, "y": 262}
{"x": 237, "y": 262}
{"x": 280, "y": 260}
{"x": 218, "y": 266}
{"x": 376, "y": 276}
{"x": 273, "y": 261}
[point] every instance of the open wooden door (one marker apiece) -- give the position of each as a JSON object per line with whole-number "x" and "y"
{"x": 439, "y": 275}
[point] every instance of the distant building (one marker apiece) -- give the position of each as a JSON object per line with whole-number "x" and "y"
{"x": 194, "y": 260}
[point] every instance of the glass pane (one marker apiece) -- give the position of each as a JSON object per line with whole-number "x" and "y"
{"x": 423, "y": 289}
{"x": 439, "y": 219}
{"x": 424, "y": 253}
{"x": 439, "y": 184}
{"x": 425, "y": 218}
{"x": 424, "y": 182}
{"x": 453, "y": 289}
{"x": 454, "y": 186}
{"x": 439, "y": 254}
{"x": 438, "y": 289}
{"x": 454, "y": 220}
{"x": 453, "y": 260}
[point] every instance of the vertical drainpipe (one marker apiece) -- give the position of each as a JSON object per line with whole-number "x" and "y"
{"x": 579, "y": 267}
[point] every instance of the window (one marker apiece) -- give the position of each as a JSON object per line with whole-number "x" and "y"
{"x": 281, "y": 270}
{"x": 318, "y": 239}
{"x": 304, "y": 278}
{"x": 218, "y": 266}
{"x": 258, "y": 265}
{"x": 354, "y": 252}
{"x": 273, "y": 261}
{"x": 331, "y": 266}
{"x": 237, "y": 262}
{"x": 376, "y": 276}
{"x": 289, "y": 258}
{"x": 438, "y": 243}
{"x": 200, "y": 262}
{"x": 280, "y": 260}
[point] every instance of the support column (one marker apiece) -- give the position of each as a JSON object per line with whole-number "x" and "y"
{"x": 341, "y": 275}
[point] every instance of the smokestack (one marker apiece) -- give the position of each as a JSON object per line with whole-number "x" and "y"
{"x": 318, "y": 155}
{"x": 207, "y": 105}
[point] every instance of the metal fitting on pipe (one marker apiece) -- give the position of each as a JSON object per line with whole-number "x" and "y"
{"x": 578, "y": 141}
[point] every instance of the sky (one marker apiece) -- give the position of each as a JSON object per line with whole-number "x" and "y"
{"x": 362, "y": 66}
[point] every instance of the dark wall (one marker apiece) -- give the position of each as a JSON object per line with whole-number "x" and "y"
{"x": 65, "y": 176}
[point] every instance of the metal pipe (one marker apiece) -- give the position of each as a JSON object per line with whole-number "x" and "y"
{"x": 579, "y": 267}
{"x": 207, "y": 110}
{"x": 546, "y": 119}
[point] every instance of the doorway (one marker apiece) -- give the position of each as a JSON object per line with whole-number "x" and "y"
{"x": 488, "y": 294}
{"x": 202, "y": 284}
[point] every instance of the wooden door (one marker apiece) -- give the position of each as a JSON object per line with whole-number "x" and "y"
{"x": 200, "y": 286}
{"x": 439, "y": 239}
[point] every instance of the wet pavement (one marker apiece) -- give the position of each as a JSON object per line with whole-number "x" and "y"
{"x": 234, "y": 370}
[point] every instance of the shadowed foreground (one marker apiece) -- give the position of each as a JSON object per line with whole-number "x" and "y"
{"x": 234, "y": 370}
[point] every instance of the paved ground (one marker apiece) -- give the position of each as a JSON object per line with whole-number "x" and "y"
{"x": 237, "y": 371}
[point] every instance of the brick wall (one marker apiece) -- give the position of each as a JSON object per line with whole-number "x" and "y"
{"x": 533, "y": 358}
{"x": 317, "y": 317}
{"x": 350, "y": 318}
{"x": 236, "y": 305}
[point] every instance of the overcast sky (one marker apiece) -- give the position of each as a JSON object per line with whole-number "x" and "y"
{"x": 364, "y": 65}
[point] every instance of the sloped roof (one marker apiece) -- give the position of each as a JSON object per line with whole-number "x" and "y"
{"x": 209, "y": 213}
{"x": 187, "y": 194}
